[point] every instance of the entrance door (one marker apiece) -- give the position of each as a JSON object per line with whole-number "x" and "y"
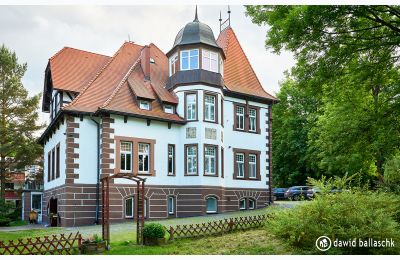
{"x": 36, "y": 204}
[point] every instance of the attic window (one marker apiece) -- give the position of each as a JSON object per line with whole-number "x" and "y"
{"x": 168, "y": 109}
{"x": 152, "y": 61}
{"x": 145, "y": 105}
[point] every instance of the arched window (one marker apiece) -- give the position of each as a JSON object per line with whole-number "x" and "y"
{"x": 242, "y": 204}
{"x": 252, "y": 204}
{"x": 212, "y": 205}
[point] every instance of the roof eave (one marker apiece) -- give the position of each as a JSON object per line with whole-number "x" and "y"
{"x": 236, "y": 94}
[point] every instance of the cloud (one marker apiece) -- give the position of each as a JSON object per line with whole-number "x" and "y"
{"x": 37, "y": 32}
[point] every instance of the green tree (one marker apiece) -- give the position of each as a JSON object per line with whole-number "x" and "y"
{"x": 348, "y": 57}
{"x": 293, "y": 117}
{"x": 18, "y": 116}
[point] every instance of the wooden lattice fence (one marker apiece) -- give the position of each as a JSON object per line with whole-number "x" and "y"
{"x": 216, "y": 227}
{"x": 53, "y": 244}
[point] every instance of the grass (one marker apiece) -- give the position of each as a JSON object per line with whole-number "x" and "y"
{"x": 18, "y": 223}
{"x": 250, "y": 242}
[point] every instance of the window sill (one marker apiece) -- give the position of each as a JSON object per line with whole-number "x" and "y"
{"x": 191, "y": 174}
{"x": 210, "y": 175}
{"x": 211, "y": 212}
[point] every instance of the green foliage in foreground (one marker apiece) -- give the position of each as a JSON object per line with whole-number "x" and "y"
{"x": 344, "y": 216}
{"x": 154, "y": 230}
{"x": 391, "y": 179}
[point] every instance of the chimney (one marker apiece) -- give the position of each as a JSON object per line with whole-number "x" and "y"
{"x": 145, "y": 62}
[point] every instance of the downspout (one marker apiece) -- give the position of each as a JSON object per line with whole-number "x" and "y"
{"x": 98, "y": 173}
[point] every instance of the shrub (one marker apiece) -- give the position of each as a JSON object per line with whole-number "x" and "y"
{"x": 153, "y": 230}
{"x": 4, "y": 221}
{"x": 345, "y": 216}
{"x": 391, "y": 177}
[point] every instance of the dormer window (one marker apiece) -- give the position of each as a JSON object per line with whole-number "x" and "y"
{"x": 169, "y": 109}
{"x": 210, "y": 60}
{"x": 190, "y": 59}
{"x": 145, "y": 105}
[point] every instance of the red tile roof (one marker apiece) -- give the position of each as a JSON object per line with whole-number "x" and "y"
{"x": 239, "y": 76}
{"x": 72, "y": 69}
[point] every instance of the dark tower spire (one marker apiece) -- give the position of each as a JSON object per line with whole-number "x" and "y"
{"x": 196, "y": 19}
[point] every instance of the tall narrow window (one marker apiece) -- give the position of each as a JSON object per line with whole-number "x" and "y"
{"x": 49, "y": 166}
{"x": 240, "y": 117}
{"x": 252, "y": 166}
{"x": 126, "y": 156}
{"x": 211, "y": 205}
{"x": 53, "y": 164}
{"x": 129, "y": 206}
{"x": 191, "y": 107}
{"x": 209, "y": 108}
{"x": 58, "y": 161}
{"x": 239, "y": 160}
{"x": 144, "y": 161}
{"x": 253, "y": 120}
{"x": 172, "y": 64}
{"x": 171, "y": 159}
{"x": 210, "y": 61}
{"x": 252, "y": 204}
{"x": 210, "y": 160}
{"x": 190, "y": 59}
{"x": 191, "y": 160}
{"x": 171, "y": 205}
{"x": 242, "y": 204}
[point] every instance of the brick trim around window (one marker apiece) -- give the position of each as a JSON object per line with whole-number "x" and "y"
{"x": 246, "y": 164}
{"x": 135, "y": 154}
{"x": 197, "y": 159}
{"x": 216, "y": 160}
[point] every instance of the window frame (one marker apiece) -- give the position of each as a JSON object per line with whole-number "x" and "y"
{"x": 253, "y": 163}
{"x": 236, "y": 165}
{"x": 173, "y": 173}
{"x": 246, "y": 164}
{"x": 49, "y": 166}
{"x": 237, "y": 116}
{"x": 215, "y": 147}
{"x": 216, "y": 204}
{"x": 246, "y": 120}
{"x": 145, "y": 102}
{"x": 172, "y": 64}
{"x": 144, "y": 154}
{"x": 171, "y": 107}
{"x": 186, "y": 159}
{"x": 125, "y": 152}
{"x": 254, "y": 204}
{"x": 58, "y": 161}
{"x": 215, "y": 96}
{"x": 189, "y": 58}
{"x": 171, "y": 199}
{"x": 53, "y": 164}
{"x": 240, "y": 206}
{"x": 196, "y": 105}
{"x": 207, "y": 54}
{"x": 133, "y": 207}
{"x": 255, "y": 120}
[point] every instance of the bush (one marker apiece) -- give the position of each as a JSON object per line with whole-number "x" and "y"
{"x": 153, "y": 230}
{"x": 4, "y": 221}
{"x": 345, "y": 216}
{"x": 391, "y": 177}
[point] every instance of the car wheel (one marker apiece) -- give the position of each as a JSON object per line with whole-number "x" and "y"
{"x": 296, "y": 197}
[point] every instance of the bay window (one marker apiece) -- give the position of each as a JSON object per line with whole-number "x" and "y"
{"x": 173, "y": 61}
{"x": 190, "y": 59}
{"x": 210, "y": 61}
{"x": 210, "y": 160}
{"x": 126, "y": 156}
{"x": 210, "y": 108}
{"x": 191, "y": 106}
{"x": 191, "y": 160}
{"x": 144, "y": 161}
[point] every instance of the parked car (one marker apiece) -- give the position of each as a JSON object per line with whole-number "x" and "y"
{"x": 279, "y": 193}
{"x": 312, "y": 192}
{"x": 297, "y": 192}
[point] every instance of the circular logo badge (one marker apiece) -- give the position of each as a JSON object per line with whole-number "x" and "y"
{"x": 323, "y": 243}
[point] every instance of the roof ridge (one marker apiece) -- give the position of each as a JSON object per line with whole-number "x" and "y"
{"x": 251, "y": 67}
{"x": 94, "y": 78}
{"x": 107, "y": 102}
{"x": 72, "y": 48}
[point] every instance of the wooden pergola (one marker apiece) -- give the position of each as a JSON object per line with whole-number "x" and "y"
{"x": 105, "y": 203}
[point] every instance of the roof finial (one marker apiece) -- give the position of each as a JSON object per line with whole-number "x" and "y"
{"x": 196, "y": 19}
{"x": 229, "y": 15}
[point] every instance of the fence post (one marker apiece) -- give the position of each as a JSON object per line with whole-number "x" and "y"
{"x": 171, "y": 233}
{"x": 80, "y": 240}
{"x": 231, "y": 224}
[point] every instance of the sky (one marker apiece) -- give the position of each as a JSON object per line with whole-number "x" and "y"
{"x": 36, "y": 33}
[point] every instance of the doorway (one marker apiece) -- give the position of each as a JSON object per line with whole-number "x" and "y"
{"x": 36, "y": 204}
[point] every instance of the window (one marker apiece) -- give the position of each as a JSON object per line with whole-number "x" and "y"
{"x": 172, "y": 64}
{"x": 145, "y": 105}
{"x": 191, "y": 159}
{"x": 191, "y": 106}
{"x": 53, "y": 164}
{"x": 168, "y": 109}
{"x": 126, "y": 156}
{"x": 171, "y": 205}
{"x": 171, "y": 159}
{"x": 239, "y": 165}
{"x": 252, "y": 204}
{"x": 209, "y": 108}
{"x": 129, "y": 206}
{"x": 210, "y": 61}
{"x": 48, "y": 167}
{"x": 190, "y": 59}
{"x": 252, "y": 166}
{"x": 58, "y": 161}
{"x": 211, "y": 204}
{"x": 240, "y": 117}
{"x": 144, "y": 161}
{"x": 242, "y": 204}
{"x": 210, "y": 160}
{"x": 253, "y": 120}
{"x": 221, "y": 66}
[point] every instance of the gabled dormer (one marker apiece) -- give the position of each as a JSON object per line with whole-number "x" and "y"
{"x": 195, "y": 57}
